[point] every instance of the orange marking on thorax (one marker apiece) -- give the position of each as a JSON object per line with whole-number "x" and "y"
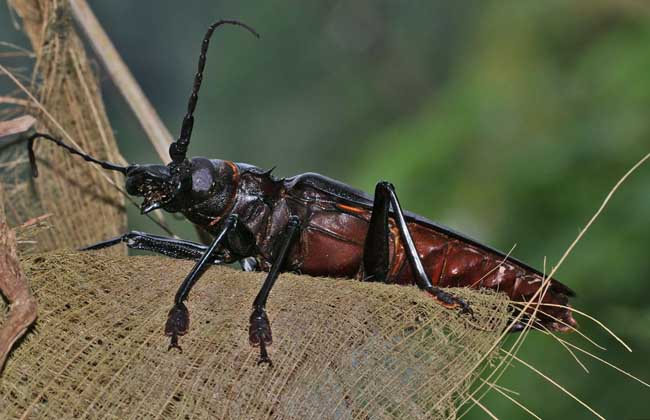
{"x": 234, "y": 168}
{"x": 235, "y": 181}
{"x": 351, "y": 209}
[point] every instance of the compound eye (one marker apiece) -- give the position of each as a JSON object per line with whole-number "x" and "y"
{"x": 135, "y": 184}
{"x": 202, "y": 181}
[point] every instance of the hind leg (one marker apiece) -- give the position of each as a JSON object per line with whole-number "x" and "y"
{"x": 376, "y": 256}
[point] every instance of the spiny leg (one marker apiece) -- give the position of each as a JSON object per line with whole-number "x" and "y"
{"x": 178, "y": 319}
{"x": 376, "y": 252}
{"x": 170, "y": 247}
{"x": 259, "y": 331}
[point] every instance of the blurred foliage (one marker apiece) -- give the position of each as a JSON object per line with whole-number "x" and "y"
{"x": 509, "y": 121}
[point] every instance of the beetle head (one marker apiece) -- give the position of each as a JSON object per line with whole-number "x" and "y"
{"x": 153, "y": 182}
{"x": 178, "y": 188}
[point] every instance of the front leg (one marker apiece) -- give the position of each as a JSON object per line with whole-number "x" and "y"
{"x": 259, "y": 331}
{"x": 178, "y": 319}
{"x": 170, "y": 247}
{"x": 376, "y": 252}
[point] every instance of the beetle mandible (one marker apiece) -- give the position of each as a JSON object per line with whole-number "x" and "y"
{"x": 309, "y": 224}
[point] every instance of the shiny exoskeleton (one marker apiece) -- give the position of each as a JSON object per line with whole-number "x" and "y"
{"x": 314, "y": 225}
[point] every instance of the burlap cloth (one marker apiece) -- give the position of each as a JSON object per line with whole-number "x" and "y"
{"x": 343, "y": 349}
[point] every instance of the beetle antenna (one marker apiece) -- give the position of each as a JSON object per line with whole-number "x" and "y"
{"x": 178, "y": 149}
{"x": 88, "y": 158}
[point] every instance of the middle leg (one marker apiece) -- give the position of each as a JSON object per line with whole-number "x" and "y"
{"x": 259, "y": 330}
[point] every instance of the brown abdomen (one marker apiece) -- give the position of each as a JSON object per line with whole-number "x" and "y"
{"x": 332, "y": 245}
{"x": 451, "y": 262}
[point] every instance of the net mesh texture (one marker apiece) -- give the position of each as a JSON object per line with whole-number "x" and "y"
{"x": 67, "y": 189}
{"x": 342, "y": 349}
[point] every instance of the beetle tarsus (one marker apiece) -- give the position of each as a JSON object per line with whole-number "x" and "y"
{"x": 259, "y": 333}
{"x": 466, "y": 309}
{"x": 450, "y": 301}
{"x": 178, "y": 322}
{"x": 173, "y": 344}
{"x": 264, "y": 356}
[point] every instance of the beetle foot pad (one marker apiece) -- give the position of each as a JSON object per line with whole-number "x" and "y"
{"x": 178, "y": 322}
{"x": 259, "y": 334}
{"x": 450, "y": 301}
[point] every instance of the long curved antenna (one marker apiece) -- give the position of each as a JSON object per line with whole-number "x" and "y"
{"x": 178, "y": 149}
{"x": 88, "y": 158}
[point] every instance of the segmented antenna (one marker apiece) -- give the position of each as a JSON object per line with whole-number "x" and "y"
{"x": 88, "y": 158}
{"x": 178, "y": 149}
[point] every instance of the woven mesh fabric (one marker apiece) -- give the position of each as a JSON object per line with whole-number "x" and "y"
{"x": 342, "y": 349}
{"x": 67, "y": 188}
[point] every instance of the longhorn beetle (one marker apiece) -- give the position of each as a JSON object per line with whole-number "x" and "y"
{"x": 309, "y": 224}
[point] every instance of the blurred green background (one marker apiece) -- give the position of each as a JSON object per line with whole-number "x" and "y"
{"x": 506, "y": 120}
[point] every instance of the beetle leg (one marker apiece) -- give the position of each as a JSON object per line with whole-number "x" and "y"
{"x": 248, "y": 264}
{"x": 178, "y": 318}
{"x": 259, "y": 331}
{"x": 376, "y": 256}
{"x": 376, "y": 251}
{"x": 170, "y": 247}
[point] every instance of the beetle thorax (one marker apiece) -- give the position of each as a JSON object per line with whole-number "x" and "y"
{"x": 212, "y": 193}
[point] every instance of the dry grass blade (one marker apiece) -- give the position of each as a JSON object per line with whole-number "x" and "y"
{"x": 595, "y": 216}
{"x": 599, "y": 323}
{"x": 535, "y": 300}
{"x": 64, "y": 97}
{"x": 505, "y": 362}
{"x": 157, "y": 218}
{"x": 503, "y": 260}
{"x": 605, "y": 362}
{"x": 550, "y": 380}
{"x": 13, "y": 101}
{"x": 13, "y": 130}
{"x": 500, "y": 390}
{"x": 121, "y": 76}
{"x": 571, "y": 328}
{"x": 484, "y": 408}
{"x": 548, "y": 333}
{"x": 20, "y": 50}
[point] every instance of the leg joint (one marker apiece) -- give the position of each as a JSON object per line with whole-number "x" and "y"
{"x": 385, "y": 186}
{"x": 294, "y": 221}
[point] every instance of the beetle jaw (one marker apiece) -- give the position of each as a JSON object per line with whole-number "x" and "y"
{"x": 149, "y": 205}
{"x": 153, "y": 182}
